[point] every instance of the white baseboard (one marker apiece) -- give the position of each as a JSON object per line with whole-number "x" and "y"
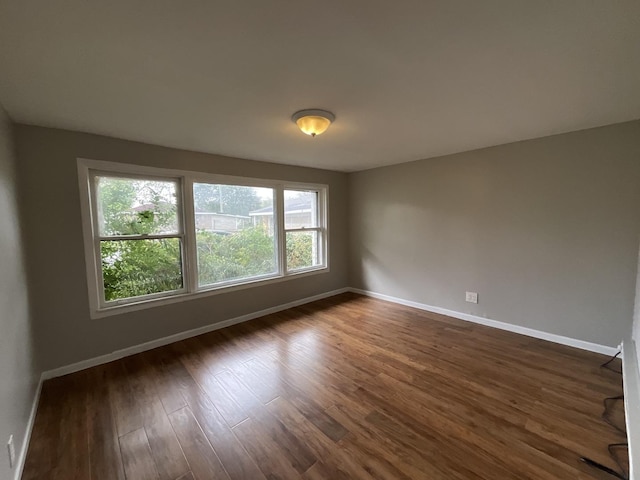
{"x": 530, "y": 332}
{"x": 631, "y": 385}
{"x": 75, "y": 367}
{"x": 27, "y": 434}
{"x": 125, "y": 352}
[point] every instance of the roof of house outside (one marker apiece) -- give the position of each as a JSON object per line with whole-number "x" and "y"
{"x": 153, "y": 207}
{"x": 300, "y": 205}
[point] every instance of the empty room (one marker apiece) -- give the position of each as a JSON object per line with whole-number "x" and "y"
{"x": 278, "y": 240}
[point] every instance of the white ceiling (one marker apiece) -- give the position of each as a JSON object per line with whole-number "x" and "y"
{"x": 406, "y": 79}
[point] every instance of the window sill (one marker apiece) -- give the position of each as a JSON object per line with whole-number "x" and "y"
{"x": 205, "y": 292}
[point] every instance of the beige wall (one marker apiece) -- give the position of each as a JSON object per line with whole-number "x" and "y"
{"x": 53, "y": 229}
{"x": 546, "y": 231}
{"x": 18, "y": 370}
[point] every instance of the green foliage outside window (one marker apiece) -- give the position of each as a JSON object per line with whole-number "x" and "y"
{"x": 131, "y": 268}
{"x": 246, "y": 253}
{"x": 137, "y": 207}
{"x": 299, "y": 251}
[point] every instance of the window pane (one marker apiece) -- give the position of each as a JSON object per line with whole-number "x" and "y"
{"x": 300, "y": 209}
{"x": 234, "y": 232}
{"x": 128, "y": 206}
{"x": 131, "y": 268}
{"x": 302, "y": 250}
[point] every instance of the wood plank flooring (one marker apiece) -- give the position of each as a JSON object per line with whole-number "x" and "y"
{"x": 344, "y": 388}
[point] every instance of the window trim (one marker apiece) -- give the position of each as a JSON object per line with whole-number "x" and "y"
{"x": 87, "y": 169}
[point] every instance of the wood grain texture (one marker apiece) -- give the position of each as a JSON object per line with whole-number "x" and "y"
{"x": 136, "y": 455}
{"x": 104, "y": 448}
{"x": 344, "y": 388}
{"x": 204, "y": 462}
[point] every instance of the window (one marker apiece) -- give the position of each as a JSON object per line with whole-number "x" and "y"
{"x": 155, "y": 235}
{"x": 302, "y": 229}
{"x": 231, "y": 245}
{"x": 139, "y": 240}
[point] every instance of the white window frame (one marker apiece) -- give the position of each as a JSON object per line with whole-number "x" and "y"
{"x": 87, "y": 169}
{"x": 318, "y": 228}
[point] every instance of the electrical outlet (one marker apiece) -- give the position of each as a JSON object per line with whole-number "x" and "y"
{"x": 11, "y": 450}
{"x": 472, "y": 297}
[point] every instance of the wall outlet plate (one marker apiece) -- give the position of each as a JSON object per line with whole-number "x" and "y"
{"x": 472, "y": 297}
{"x": 11, "y": 450}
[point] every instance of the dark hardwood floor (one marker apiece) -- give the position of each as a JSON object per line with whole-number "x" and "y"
{"x": 344, "y": 388}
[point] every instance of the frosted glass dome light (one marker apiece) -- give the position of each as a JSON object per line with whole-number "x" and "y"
{"x": 313, "y": 122}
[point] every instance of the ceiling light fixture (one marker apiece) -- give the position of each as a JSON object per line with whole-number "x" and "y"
{"x": 313, "y": 122}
